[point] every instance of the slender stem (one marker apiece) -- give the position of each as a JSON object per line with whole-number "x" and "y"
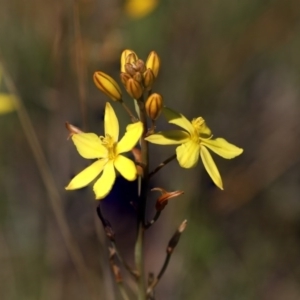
{"x": 80, "y": 66}
{"x": 165, "y": 162}
{"x": 49, "y": 182}
{"x": 131, "y": 115}
{"x": 155, "y": 218}
{"x": 123, "y": 262}
{"x": 141, "y": 209}
{"x": 123, "y": 291}
{"x": 110, "y": 235}
{"x": 139, "y": 259}
{"x": 160, "y": 274}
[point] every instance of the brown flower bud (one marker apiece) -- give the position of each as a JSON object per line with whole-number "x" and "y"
{"x": 138, "y": 77}
{"x": 129, "y": 68}
{"x": 154, "y": 105}
{"x": 124, "y": 55}
{"x": 148, "y": 79}
{"x": 134, "y": 88}
{"x": 124, "y": 77}
{"x": 153, "y": 63}
{"x": 107, "y": 85}
{"x": 140, "y": 66}
{"x": 131, "y": 58}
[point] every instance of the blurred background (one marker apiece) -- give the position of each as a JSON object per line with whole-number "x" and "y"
{"x": 235, "y": 63}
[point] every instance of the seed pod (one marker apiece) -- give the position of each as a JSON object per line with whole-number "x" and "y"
{"x": 134, "y": 88}
{"x": 153, "y": 63}
{"x": 154, "y": 105}
{"x": 148, "y": 79}
{"x": 124, "y": 54}
{"x": 107, "y": 85}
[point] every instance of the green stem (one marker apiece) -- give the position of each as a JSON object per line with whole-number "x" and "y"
{"x": 141, "y": 209}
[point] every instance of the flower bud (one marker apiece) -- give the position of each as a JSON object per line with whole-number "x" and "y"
{"x": 131, "y": 58}
{"x": 134, "y": 88}
{"x": 129, "y": 68}
{"x": 140, "y": 66}
{"x": 176, "y": 236}
{"x": 138, "y": 77}
{"x": 107, "y": 85}
{"x": 153, "y": 63}
{"x": 154, "y": 106}
{"x": 124, "y": 77}
{"x": 124, "y": 54}
{"x": 148, "y": 79}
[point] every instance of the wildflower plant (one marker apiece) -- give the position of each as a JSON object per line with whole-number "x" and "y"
{"x": 193, "y": 138}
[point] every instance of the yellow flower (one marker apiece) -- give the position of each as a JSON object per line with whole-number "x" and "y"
{"x": 138, "y": 9}
{"x": 195, "y": 141}
{"x": 107, "y": 150}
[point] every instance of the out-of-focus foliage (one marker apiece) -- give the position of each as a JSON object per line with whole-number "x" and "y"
{"x": 237, "y": 65}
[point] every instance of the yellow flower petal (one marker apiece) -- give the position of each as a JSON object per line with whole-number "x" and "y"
{"x": 104, "y": 184}
{"x": 126, "y": 167}
{"x": 89, "y": 146}
{"x": 7, "y": 103}
{"x": 111, "y": 124}
{"x": 211, "y": 167}
{"x": 139, "y": 8}
{"x": 178, "y": 119}
{"x": 170, "y": 137}
{"x": 131, "y": 137}
{"x": 188, "y": 154}
{"x": 222, "y": 147}
{"x": 87, "y": 175}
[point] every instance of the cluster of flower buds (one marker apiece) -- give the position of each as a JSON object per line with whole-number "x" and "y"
{"x": 136, "y": 75}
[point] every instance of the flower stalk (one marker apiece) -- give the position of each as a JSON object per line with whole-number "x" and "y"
{"x": 193, "y": 141}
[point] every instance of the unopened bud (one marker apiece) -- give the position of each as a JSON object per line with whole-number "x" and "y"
{"x": 175, "y": 238}
{"x": 153, "y": 63}
{"x": 138, "y": 77}
{"x": 131, "y": 58}
{"x": 134, "y": 88}
{"x": 124, "y": 54}
{"x": 148, "y": 79}
{"x": 130, "y": 69}
{"x": 108, "y": 86}
{"x": 124, "y": 77}
{"x": 154, "y": 106}
{"x": 140, "y": 66}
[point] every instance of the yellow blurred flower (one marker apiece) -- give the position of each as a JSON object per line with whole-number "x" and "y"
{"x": 6, "y": 103}
{"x": 107, "y": 150}
{"x": 139, "y": 8}
{"x": 195, "y": 140}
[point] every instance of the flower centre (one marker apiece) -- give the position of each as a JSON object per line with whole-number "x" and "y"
{"x": 197, "y": 124}
{"x": 200, "y": 129}
{"x": 108, "y": 142}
